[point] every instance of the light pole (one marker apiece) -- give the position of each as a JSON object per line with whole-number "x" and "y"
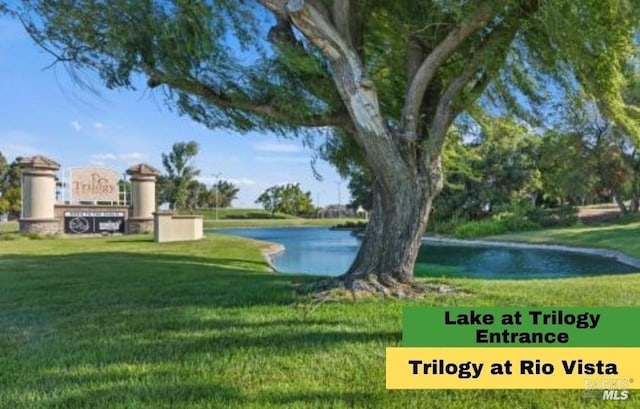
{"x": 217, "y": 176}
{"x": 339, "y": 183}
{"x": 124, "y": 188}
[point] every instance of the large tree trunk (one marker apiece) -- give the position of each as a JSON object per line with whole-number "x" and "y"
{"x": 403, "y": 160}
{"x": 617, "y": 197}
{"x": 635, "y": 193}
{"x": 394, "y": 234}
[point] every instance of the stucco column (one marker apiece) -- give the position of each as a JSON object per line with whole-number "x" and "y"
{"x": 143, "y": 197}
{"x": 38, "y": 180}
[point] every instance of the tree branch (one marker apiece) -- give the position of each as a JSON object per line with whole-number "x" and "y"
{"x": 41, "y": 43}
{"x": 356, "y": 89}
{"x": 276, "y": 6}
{"x": 348, "y": 22}
{"x": 483, "y": 14}
{"x": 194, "y": 87}
{"x": 500, "y": 38}
{"x": 445, "y": 111}
{"x": 282, "y": 33}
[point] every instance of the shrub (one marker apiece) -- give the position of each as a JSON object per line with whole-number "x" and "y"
{"x": 558, "y": 217}
{"x": 520, "y": 215}
{"x": 360, "y": 225}
{"x": 498, "y": 224}
{"x": 486, "y": 227}
{"x": 442, "y": 227}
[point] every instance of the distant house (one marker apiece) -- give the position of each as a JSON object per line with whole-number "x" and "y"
{"x": 335, "y": 212}
{"x": 362, "y": 213}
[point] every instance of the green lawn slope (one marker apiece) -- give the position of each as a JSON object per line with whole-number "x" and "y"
{"x": 230, "y": 217}
{"x": 622, "y": 237}
{"x": 123, "y": 322}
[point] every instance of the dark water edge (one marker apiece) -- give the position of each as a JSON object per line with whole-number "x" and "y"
{"x": 320, "y": 251}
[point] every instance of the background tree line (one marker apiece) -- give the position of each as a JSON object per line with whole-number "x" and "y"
{"x": 10, "y": 194}
{"x": 180, "y": 190}
{"x": 389, "y": 80}
{"x": 500, "y": 167}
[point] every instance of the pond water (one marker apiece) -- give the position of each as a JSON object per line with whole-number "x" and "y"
{"x": 318, "y": 250}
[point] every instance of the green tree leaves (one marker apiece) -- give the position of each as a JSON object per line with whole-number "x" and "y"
{"x": 180, "y": 172}
{"x": 10, "y": 193}
{"x": 289, "y": 199}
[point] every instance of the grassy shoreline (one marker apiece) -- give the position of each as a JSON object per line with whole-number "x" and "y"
{"x": 293, "y": 222}
{"x": 125, "y": 322}
{"x": 624, "y": 238}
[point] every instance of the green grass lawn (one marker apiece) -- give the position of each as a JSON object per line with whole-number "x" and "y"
{"x": 123, "y": 322}
{"x": 625, "y": 237}
{"x": 260, "y": 218}
{"x": 289, "y": 222}
{"x": 8, "y": 227}
{"x": 241, "y": 214}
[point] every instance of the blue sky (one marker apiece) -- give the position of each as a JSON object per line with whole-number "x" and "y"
{"x": 43, "y": 112}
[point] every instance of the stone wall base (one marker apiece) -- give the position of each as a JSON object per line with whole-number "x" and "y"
{"x": 138, "y": 226}
{"x": 44, "y": 226}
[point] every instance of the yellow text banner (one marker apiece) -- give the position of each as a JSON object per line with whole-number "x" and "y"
{"x": 513, "y": 368}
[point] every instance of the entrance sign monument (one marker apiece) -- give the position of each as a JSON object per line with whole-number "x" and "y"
{"x": 94, "y": 222}
{"x": 38, "y": 180}
{"x": 143, "y": 197}
{"x": 89, "y": 189}
{"x": 94, "y": 185}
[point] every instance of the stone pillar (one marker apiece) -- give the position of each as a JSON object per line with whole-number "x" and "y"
{"x": 38, "y": 177}
{"x": 143, "y": 198}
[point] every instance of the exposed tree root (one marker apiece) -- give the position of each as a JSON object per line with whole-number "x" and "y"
{"x": 383, "y": 286}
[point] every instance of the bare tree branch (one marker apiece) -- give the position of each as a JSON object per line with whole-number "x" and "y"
{"x": 276, "y": 6}
{"x": 348, "y": 21}
{"x": 499, "y": 39}
{"x": 282, "y": 33}
{"x": 477, "y": 67}
{"x": 194, "y": 87}
{"x": 41, "y": 43}
{"x": 483, "y": 14}
{"x": 355, "y": 88}
{"x": 444, "y": 113}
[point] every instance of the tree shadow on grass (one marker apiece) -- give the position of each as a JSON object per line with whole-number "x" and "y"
{"x": 146, "y": 280}
{"x": 162, "y": 394}
{"x": 320, "y": 399}
{"x": 68, "y": 320}
{"x": 179, "y": 394}
{"x": 135, "y": 239}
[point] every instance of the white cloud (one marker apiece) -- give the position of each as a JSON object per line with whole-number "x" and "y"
{"x": 242, "y": 181}
{"x": 121, "y": 157}
{"x": 286, "y": 182}
{"x": 98, "y": 125}
{"x": 103, "y": 156}
{"x": 282, "y": 159}
{"x": 210, "y": 180}
{"x": 280, "y": 147}
{"x": 133, "y": 156}
{"x": 76, "y": 125}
